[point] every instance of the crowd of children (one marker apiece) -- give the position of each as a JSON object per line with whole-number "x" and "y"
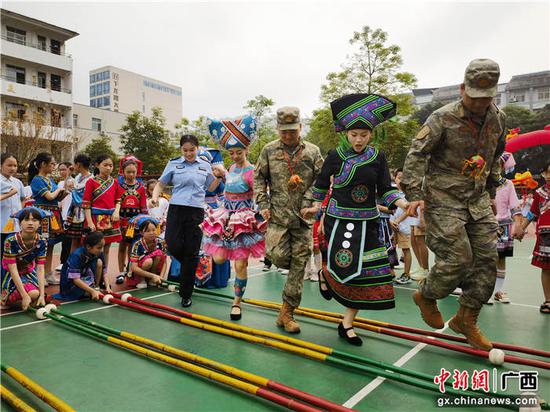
{"x": 89, "y": 212}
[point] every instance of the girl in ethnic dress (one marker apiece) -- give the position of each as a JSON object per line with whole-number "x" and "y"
{"x": 235, "y": 231}
{"x": 131, "y": 200}
{"x": 23, "y": 261}
{"x": 47, "y": 196}
{"x": 540, "y": 212}
{"x": 357, "y": 274}
{"x": 85, "y": 270}
{"x": 98, "y": 203}
{"x": 149, "y": 262}
{"x": 508, "y": 210}
{"x": 75, "y": 217}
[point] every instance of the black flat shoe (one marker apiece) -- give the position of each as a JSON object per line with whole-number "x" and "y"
{"x": 186, "y": 302}
{"x": 235, "y": 316}
{"x": 352, "y": 340}
{"x": 325, "y": 293}
{"x": 120, "y": 279}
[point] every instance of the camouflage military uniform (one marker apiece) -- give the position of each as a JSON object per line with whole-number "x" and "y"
{"x": 460, "y": 226}
{"x": 288, "y": 239}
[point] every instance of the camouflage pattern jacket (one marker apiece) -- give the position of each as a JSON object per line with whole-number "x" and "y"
{"x": 271, "y": 178}
{"x": 437, "y": 170}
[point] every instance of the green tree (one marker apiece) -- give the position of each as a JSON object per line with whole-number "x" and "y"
{"x": 542, "y": 118}
{"x": 422, "y": 113}
{"x": 374, "y": 67}
{"x": 321, "y": 130}
{"x": 261, "y": 107}
{"x": 517, "y": 116}
{"x": 98, "y": 146}
{"x": 148, "y": 140}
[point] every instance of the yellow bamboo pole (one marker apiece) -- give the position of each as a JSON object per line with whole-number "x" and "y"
{"x": 15, "y": 402}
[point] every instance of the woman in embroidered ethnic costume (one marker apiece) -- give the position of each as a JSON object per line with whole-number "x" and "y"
{"x": 47, "y": 196}
{"x": 76, "y": 217}
{"x": 235, "y": 231}
{"x": 540, "y": 212}
{"x": 99, "y": 204}
{"x": 131, "y": 200}
{"x": 220, "y": 273}
{"x": 357, "y": 274}
{"x": 24, "y": 259}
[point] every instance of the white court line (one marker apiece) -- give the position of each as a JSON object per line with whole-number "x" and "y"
{"x": 79, "y": 313}
{"x": 511, "y": 303}
{"x": 105, "y": 307}
{"x": 355, "y": 399}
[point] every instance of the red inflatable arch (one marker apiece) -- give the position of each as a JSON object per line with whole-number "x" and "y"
{"x": 530, "y": 139}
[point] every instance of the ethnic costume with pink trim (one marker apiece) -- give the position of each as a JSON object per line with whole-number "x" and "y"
{"x": 358, "y": 274}
{"x": 236, "y": 230}
{"x": 40, "y": 185}
{"x": 540, "y": 211}
{"x": 99, "y": 196}
{"x": 27, "y": 258}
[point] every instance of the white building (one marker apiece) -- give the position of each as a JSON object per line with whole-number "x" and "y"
{"x": 36, "y": 84}
{"x": 91, "y": 122}
{"x": 124, "y": 91}
{"x": 531, "y": 90}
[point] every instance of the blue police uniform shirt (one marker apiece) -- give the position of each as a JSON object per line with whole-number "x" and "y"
{"x": 189, "y": 179}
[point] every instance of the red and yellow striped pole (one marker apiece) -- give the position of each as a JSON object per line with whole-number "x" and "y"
{"x": 46, "y": 396}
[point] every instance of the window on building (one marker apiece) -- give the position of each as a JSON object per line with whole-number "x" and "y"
{"x": 106, "y": 101}
{"x": 16, "y": 36}
{"x": 75, "y": 120}
{"x": 92, "y": 91}
{"x": 544, "y": 94}
{"x": 15, "y": 111}
{"x": 92, "y": 78}
{"x": 55, "y": 46}
{"x": 92, "y": 102}
{"x": 96, "y": 124}
{"x": 106, "y": 87}
{"x": 55, "y": 82}
{"x": 519, "y": 98}
{"x": 42, "y": 43}
{"x": 15, "y": 74}
{"x": 41, "y": 80}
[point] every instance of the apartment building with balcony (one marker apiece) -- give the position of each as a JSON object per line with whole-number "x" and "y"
{"x": 36, "y": 83}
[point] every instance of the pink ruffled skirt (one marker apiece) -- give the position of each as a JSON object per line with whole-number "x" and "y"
{"x": 234, "y": 235}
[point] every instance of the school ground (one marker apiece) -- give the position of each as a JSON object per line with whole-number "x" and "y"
{"x": 93, "y": 376}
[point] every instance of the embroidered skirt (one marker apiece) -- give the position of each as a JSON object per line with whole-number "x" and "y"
{"x": 10, "y": 295}
{"x": 358, "y": 273}
{"x": 541, "y": 253}
{"x": 505, "y": 243}
{"x": 234, "y": 234}
{"x": 110, "y": 229}
{"x": 74, "y": 225}
{"x": 55, "y": 224}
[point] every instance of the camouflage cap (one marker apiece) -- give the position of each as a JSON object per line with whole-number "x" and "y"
{"x": 481, "y": 78}
{"x": 288, "y": 118}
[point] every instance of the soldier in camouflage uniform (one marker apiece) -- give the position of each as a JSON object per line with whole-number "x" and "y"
{"x": 283, "y": 179}
{"x": 452, "y": 171}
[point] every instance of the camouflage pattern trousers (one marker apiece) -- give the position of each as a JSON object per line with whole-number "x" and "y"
{"x": 290, "y": 248}
{"x": 465, "y": 256}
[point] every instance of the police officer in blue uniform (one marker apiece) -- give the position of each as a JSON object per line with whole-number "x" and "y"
{"x": 190, "y": 177}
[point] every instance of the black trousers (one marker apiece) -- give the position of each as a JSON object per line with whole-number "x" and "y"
{"x": 183, "y": 238}
{"x": 65, "y": 249}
